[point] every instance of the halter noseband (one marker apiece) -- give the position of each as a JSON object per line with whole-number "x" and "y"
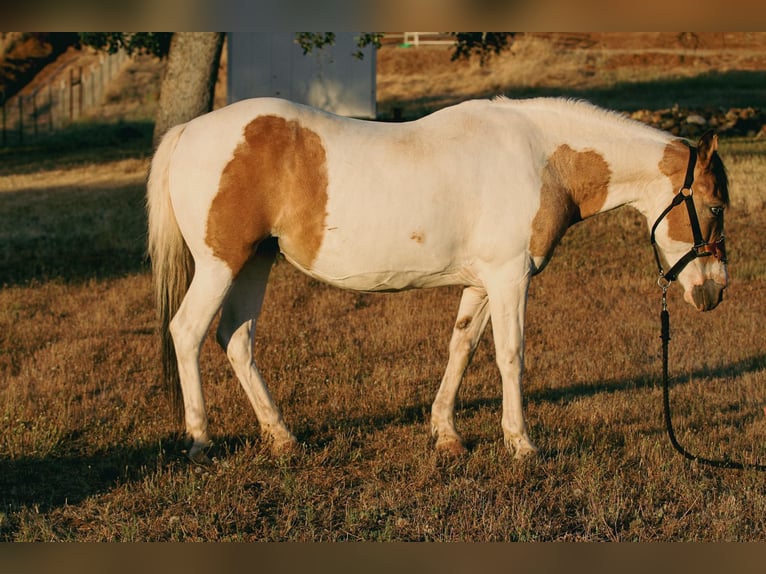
{"x": 701, "y": 248}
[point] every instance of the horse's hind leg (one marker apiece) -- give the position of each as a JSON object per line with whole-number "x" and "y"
{"x": 236, "y": 333}
{"x": 188, "y": 328}
{"x": 471, "y": 321}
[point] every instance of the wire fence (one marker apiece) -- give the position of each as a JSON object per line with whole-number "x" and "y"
{"x": 58, "y": 102}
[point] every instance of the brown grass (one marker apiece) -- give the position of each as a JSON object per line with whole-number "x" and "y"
{"x": 87, "y": 450}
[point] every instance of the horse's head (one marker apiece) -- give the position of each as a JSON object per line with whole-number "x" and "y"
{"x": 692, "y": 241}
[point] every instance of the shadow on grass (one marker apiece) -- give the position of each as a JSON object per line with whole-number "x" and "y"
{"x": 710, "y": 90}
{"x": 48, "y": 482}
{"x": 414, "y": 414}
{"x": 72, "y": 233}
{"x": 651, "y": 380}
{"x": 81, "y": 143}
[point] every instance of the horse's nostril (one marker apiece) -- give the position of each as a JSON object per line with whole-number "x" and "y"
{"x": 708, "y": 295}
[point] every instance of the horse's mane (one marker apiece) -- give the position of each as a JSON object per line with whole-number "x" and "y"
{"x": 582, "y": 107}
{"x": 718, "y": 170}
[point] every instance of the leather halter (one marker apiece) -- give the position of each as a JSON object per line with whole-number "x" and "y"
{"x": 701, "y": 248}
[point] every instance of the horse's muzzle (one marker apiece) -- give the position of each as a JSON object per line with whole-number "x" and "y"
{"x": 706, "y": 296}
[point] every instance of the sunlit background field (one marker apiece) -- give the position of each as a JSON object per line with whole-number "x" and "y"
{"x": 88, "y": 450}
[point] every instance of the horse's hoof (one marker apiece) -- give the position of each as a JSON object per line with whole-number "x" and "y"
{"x": 286, "y": 447}
{"x": 521, "y": 447}
{"x": 198, "y": 456}
{"x": 195, "y": 449}
{"x": 529, "y": 451}
{"x": 452, "y": 447}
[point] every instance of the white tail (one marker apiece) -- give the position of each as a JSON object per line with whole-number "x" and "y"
{"x": 172, "y": 264}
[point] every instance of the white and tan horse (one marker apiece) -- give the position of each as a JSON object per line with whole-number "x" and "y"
{"x": 476, "y": 195}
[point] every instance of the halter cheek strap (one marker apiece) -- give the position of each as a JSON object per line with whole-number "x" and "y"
{"x": 700, "y": 248}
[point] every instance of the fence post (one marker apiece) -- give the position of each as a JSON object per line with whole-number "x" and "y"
{"x": 62, "y": 104}
{"x": 21, "y": 118}
{"x": 50, "y": 107}
{"x": 80, "y": 99}
{"x": 2, "y": 97}
{"x": 71, "y": 94}
{"x": 34, "y": 113}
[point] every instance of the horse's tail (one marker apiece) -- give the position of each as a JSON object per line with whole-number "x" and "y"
{"x": 172, "y": 264}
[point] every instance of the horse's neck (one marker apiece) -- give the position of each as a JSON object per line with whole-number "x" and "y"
{"x": 628, "y": 163}
{"x": 638, "y": 180}
{"x": 629, "y": 151}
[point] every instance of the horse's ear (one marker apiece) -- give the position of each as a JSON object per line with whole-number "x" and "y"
{"x": 707, "y": 146}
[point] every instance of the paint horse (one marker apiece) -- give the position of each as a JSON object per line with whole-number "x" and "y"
{"x": 476, "y": 195}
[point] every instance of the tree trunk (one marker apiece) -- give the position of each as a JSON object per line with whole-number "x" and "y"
{"x": 189, "y": 82}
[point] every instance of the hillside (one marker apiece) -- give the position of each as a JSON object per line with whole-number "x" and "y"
{"x": 24, "y": 54}
{"x": 662, "y": 78}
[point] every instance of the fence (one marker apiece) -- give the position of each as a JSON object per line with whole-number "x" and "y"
{"x": 417, "y": 39}
{"x": 58, "y": 102}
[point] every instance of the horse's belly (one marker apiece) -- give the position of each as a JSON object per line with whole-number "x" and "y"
{"x": 383, "y": 267}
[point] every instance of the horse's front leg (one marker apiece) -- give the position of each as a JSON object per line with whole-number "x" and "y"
{"x": 471, "y": 321}
{"x": 507, "y": 302}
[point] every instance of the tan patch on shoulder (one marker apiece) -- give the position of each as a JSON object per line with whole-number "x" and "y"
{"x": 275, "y": 184}
{"x": 673, "y": 164}
{"x": 574, "y": 186}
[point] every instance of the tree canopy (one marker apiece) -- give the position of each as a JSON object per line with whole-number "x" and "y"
{"x": 467, "y": 44}
{"x": 154, "y": 43}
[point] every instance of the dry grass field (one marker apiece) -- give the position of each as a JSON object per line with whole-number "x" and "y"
{"x": 88, "y": 451}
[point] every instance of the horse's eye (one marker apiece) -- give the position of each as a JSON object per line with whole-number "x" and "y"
{"x": 717, "y": 211}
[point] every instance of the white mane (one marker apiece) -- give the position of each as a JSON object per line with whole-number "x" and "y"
{"x": 581, "y": 110}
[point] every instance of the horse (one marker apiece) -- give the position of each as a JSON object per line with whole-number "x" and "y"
{"x": 476, "y": 195}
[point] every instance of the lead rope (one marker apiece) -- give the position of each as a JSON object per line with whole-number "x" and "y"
{"x": 726, "y": 462}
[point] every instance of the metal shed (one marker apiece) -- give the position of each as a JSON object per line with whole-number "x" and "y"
{"x": 332, "y": 79}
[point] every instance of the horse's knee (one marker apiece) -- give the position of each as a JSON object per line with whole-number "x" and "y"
{"x": 229, "y": 327}
{"x": 185, "y": 342}
{"x": 238, "y": 345}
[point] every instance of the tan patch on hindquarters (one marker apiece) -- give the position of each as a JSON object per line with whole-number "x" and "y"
{"x": 574, "y": 186}
{"x": 275, "y": 184}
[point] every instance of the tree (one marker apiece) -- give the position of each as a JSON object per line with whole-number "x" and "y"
{"x": 188, "y": 86}
{"x": 482, "y": 44}
{"x": 309, "y": 41}
{"x": 189, "y": 82}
